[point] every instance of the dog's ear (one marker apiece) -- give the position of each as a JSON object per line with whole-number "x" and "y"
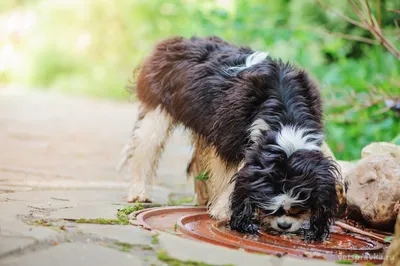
{"x": 242, "y": 210}
{"x": 326, "y": 202}
{"x": 255, "y": 182}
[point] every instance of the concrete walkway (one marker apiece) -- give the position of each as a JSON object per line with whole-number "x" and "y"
{"x": 57, "y": 164}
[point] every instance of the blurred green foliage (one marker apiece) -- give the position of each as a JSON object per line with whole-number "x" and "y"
{"x": 91, "y": 46}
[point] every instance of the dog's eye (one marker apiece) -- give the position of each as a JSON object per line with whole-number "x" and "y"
{"x": 295, "y": 211}
{"x": 279, "y": 212}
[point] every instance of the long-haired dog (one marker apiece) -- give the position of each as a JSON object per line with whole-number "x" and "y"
{"x": 255, "y": 121}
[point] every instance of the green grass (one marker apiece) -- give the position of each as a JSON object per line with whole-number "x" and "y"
{"x": 42, "y": 222}
{"x": 388, "y": 239}
{"x": 48, "y": 224}
{"x": 98, "y": 221}
{"x": 202, "y": 176}
{"x": 124, "y": 247}
{"x": 344, "y": 262}
{"x": 163, "y": 256}
{"x": 123, "y": 213}
{"x": 155, "y": 240}
{"x": 180, "y": 201}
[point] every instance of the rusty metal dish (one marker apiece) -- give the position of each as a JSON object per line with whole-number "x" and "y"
{"x": 195, "y": 223}
{"x": 164, "y": 219}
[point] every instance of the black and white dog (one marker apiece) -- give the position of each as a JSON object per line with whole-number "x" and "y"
{"x": 256, "y": 120}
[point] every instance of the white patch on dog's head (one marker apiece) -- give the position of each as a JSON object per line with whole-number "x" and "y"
{"x": 251, "y": 60}
{"x": 257, "y": 128}
{"x": 291, "y": 139}
{"x": 256, "y": 58}
{"x": 285, "y": 201}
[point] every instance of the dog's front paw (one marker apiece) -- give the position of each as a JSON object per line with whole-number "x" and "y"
{"x": 251, "y": 229}
{"x": 311, "y": 236}
{"x": 244, "y": 227}
{"x": 138, "y": 193}
{"x": 142, "y": 198}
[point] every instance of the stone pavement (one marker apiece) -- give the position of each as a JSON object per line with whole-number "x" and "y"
{"x": 57, "y": 164}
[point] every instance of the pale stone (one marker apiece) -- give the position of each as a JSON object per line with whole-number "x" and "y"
{"x": 346, "y": 167}
{"x": 383, "y": 148}
{"x": 374, "y": 190}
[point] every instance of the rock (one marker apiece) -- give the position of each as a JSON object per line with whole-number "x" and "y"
{"x": 374, "y": 191}
{"x": 382, "y": 148}
{"x": 346, "y": 167}
{"x": 393, "y": 253}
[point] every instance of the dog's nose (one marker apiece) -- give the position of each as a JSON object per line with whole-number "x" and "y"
{"x": 284, "y": 225}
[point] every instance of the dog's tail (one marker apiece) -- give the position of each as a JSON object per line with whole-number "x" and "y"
{"x": 131, "y": 87}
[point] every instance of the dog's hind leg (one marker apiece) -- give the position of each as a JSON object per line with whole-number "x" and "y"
{"x": 142, "y": 154}
{"x": 194, "y": 169}
{"x": 129, "y": 148}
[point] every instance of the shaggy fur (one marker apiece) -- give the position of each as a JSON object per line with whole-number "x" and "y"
{"x": 256, "y": 120}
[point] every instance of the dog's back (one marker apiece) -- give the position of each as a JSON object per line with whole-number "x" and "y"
{"x": 200, "y": 82}
{"x": 176, "y": 63}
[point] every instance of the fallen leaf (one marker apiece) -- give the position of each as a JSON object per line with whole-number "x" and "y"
{"x": 388, "y": 239}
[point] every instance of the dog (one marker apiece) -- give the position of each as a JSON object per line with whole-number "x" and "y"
{"x": 256, "y": 125}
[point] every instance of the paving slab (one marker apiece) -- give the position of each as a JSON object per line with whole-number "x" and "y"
{"x": 75, "y": 254}
{"x": 67, "y": 196}
{"x": 11, "y": 216}
{"x": 74, "y": 138}
{"x": 14, "y": 233}
{"x": 19, "y": 228}
{"x": 187, "y": 249}
{"x": 72, "y": 197}
{"x": 10, "y": 243}
{"x": 88, "y": 211}
{"x": 12, "y": 189}
{"x": 10, "y": 209}
{"x": 122, "y": 233}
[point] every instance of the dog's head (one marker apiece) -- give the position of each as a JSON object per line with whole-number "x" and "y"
{"x": 292, "y": 184}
